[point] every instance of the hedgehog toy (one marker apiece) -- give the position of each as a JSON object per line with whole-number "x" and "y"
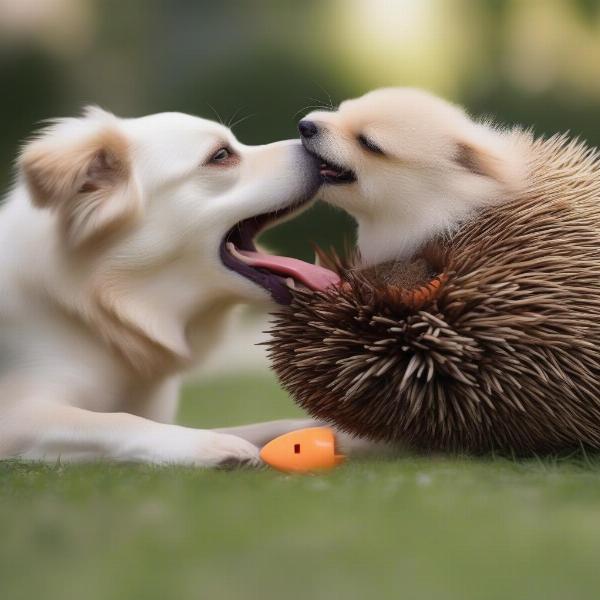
{"x": 487, "y": 342}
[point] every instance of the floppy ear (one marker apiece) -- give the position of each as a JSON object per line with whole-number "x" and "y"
{"x": 82, "y": 172}
{"x": 478, "y": 161}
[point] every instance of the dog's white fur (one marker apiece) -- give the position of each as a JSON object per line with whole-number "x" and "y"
{"x": 438, "y": 166}
{"x": 111, "y": 283}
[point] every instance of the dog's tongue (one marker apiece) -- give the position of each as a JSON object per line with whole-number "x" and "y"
{"x": 313, "y": 276}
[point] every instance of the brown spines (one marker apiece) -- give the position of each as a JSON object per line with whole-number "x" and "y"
{"x": 500, "y": 353}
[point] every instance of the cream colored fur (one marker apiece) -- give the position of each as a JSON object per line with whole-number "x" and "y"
{"x": 437, "y": 168}
{"x": 111, "y": 284}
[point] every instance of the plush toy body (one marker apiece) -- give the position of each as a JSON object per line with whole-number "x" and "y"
{"x": 489, "y": 342}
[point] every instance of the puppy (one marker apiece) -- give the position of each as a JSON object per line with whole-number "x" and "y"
{"x": 125, "y": 243}
{"x": 409, "y": 166}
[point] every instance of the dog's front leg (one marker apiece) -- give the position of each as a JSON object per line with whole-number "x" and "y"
{"x": 50, "y": 432}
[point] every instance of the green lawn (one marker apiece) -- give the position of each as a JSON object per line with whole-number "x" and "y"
{"x": 411, "y": 528}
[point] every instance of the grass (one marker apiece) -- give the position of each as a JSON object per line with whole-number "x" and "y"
{"x": 411, "y": 528}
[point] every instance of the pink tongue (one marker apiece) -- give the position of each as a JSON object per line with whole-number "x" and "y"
{"x": 315, "y": 277}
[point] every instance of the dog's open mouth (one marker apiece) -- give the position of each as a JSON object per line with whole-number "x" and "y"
{"x": 276, "y": 274}
{"x": 332, "y": 173}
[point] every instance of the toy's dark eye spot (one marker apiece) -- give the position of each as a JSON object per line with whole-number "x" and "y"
{"x": 296, "y": 448}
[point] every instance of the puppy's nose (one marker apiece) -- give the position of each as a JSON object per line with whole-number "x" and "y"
{"x": 308, "y": 129}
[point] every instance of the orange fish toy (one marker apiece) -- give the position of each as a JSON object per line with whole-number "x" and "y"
{"x": 303, "y": 451}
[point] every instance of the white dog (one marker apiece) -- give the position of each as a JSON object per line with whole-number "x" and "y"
{"x": 409, "y": 166}
{"x": 125, "y": 242}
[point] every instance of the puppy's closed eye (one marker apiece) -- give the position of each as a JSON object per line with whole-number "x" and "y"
{"x": 369, "y": 144}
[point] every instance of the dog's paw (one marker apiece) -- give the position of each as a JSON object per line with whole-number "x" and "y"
{"x": 227, "y": 451}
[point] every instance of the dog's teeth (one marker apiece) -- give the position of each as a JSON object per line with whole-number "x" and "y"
{"x": 230, "y": 246}
{"x": 290, "y": 283}
{"x": 317, "y": 260}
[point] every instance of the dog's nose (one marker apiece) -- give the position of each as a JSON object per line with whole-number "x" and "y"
{"x": 308, "y": 129}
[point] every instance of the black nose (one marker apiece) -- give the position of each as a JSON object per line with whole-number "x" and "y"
{"x": 307, "y": 129}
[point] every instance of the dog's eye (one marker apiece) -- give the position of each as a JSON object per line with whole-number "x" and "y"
{"x": 223, "y": 157}
{"x": 369, "y": 145}
{"x": 220, "y": 155}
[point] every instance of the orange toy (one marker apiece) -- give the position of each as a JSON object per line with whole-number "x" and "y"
{"x": 302, "y": 451}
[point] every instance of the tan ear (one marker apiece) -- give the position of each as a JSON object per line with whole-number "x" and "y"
{"x": 478, "y": 161}
{"x": 86, "y": 178}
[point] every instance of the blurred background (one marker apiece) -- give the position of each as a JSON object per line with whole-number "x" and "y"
{"x": 261, "y": 65}
{"x": 266, "y": 63}
{"x": 416, "y": 528}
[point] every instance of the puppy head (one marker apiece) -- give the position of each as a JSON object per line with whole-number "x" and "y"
{"x": 81, "y": 169}
{"x": 408, "y": 165}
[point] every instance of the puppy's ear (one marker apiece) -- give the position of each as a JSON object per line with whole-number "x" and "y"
{"x": 81, "y": 170}
{"x": 478, "y": 161}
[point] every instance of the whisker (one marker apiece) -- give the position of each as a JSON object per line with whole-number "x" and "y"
{"x": 327, "y": 94}
{"x": 322, "y": 104}
{"x": 216, "y": 113}
{"x": 241, "y": 120}
{"x": 305, "y": 108}
{"x": 233, "y": 116}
